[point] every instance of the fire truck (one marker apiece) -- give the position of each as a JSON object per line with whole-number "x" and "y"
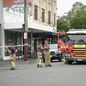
{"x": 72, "y": 45}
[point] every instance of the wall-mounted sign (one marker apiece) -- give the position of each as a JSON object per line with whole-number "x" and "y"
{"x": 14, "y": 11}
{"x": 9, "y": 3}
{"x": 17, "y": 6}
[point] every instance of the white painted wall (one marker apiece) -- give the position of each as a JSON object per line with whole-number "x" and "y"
{"x": 14, "y": 18}
{"x": 0, "y": 10}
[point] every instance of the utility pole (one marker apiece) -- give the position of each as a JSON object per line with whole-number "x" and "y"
{"x": 25, "y": 31}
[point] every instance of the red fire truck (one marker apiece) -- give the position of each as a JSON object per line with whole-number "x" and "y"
{"x": 72, "y": 45}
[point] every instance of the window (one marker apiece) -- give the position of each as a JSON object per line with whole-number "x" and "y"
{"x": 43, "y": 15}
{"x": 35, "y": 12}
{"x": 49, "y": 2}
{"x": 54, "y": 19}
{"x": 13, "y": 38}
{"x": 49, "y": 17}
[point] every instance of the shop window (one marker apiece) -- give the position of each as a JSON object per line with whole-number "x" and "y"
{"x": 12, "y": 37}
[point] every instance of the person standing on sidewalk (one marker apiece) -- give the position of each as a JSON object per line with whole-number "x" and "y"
{"x": 39, "y": 55}
{"x": 47, "y": 54}
{"x": 12, "y": 50}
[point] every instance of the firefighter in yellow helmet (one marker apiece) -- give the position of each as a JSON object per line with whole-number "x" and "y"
{"x": 47, "y": 54}
{"x": 12, "y": 50}
{"x": 39, "y": 54}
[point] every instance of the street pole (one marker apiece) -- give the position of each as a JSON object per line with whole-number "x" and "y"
{"x": 25, "y": 31}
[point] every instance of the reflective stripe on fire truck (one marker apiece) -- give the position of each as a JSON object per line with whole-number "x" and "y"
{"x": 79, "y": 46}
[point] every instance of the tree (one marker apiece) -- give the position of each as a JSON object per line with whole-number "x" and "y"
{"x": 62, "y": 25}
{"x": 78, "y": 20}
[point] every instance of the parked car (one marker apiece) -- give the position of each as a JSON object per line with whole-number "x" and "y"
{"x": 55, "y": 55}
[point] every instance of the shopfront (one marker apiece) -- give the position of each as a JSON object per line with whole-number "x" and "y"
{"x": 12, "y": 19}
{"x": 13, "y": 38}
{"x": 16, "y": 38}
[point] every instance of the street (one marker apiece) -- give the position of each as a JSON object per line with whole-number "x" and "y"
{"x": 27, "y": 74}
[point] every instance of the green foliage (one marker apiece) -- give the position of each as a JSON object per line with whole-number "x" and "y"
{"x": 62, "y": 25}
{"x": 78, "y": 20}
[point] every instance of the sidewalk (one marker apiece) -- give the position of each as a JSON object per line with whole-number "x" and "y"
{"x": 18, "y": 62}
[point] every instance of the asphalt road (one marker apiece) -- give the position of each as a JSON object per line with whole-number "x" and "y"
{"x": 27, "y": 74}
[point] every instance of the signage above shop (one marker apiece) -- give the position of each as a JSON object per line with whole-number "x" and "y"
{"x": 9, "y": 3}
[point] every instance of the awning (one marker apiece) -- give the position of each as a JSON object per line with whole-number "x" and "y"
{"x": 45, "y": 34}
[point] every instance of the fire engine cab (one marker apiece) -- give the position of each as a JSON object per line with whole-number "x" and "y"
{"x": 72, "y": 45}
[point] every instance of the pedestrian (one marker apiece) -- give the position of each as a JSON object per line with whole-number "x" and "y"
{"x": 39, "y": 54}
{"x": 47, "y": 54}
{"x": 12, "y": 50}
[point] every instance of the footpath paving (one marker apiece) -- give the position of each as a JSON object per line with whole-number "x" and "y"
{"x": 18, "y": 61}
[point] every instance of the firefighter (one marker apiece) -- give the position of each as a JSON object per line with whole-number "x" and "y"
{"x": 47, "y": 54}
{"x": 12, "y": 50}
{"x": 39, "y": 55}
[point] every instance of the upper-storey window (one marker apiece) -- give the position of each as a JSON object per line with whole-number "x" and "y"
{"x": 50, "y": 2}
{"x": 35, "y": 12}
{"x": 54, "y": 19}
{"x": 49, "y": 17}
{"x": 43, "y": 15}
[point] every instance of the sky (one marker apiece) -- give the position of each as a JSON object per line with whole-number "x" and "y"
{"x": 63, "y": 6}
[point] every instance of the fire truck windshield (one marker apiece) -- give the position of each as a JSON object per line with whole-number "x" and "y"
{"x": 73, "y": 38}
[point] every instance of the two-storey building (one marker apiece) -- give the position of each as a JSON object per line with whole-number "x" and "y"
{"x": 41, "y": 23}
